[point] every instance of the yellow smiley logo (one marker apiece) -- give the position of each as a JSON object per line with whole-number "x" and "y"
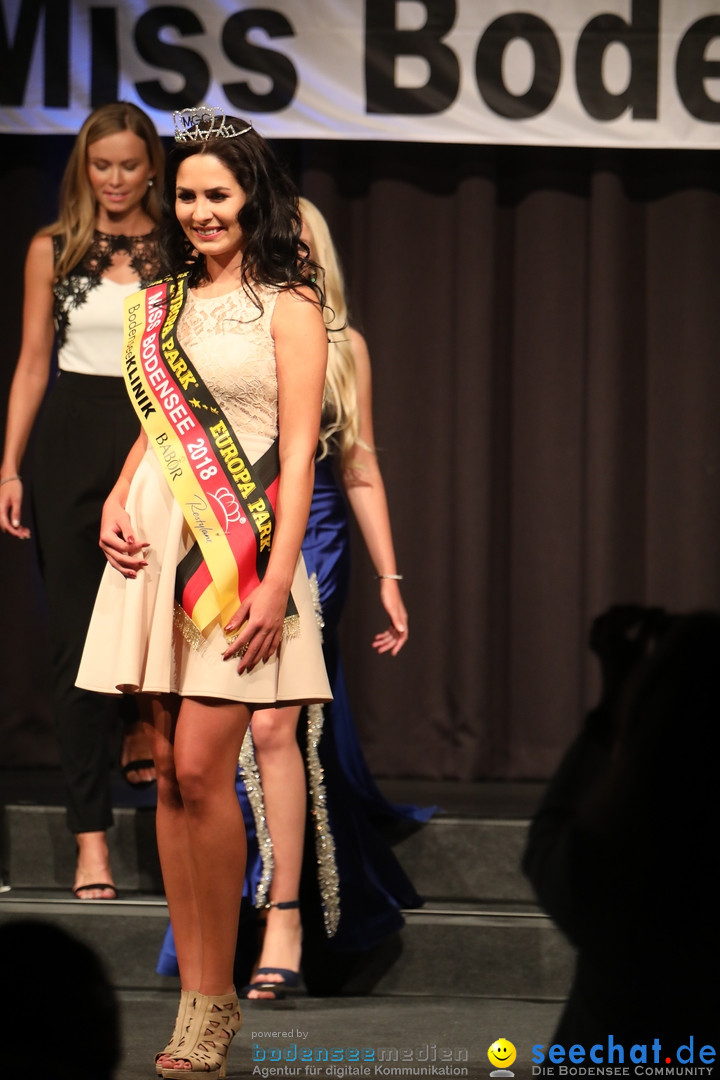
{"x": 502, "y": 1053}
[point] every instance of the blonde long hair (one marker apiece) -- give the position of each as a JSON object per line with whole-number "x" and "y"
{"x": 340, "y": 424}
{"x": 76, "y": 222}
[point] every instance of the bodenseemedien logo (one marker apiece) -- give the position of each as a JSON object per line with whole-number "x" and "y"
{"x": 502, "y": 1054}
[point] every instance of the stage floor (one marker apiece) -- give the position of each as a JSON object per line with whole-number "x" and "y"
{"x": 420, "y": 1025}
{"x": 417, "y": 1015}
{"x": 513, "y": 799}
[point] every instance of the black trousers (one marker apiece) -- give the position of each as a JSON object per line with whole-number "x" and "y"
{"x": 86, "y": 430}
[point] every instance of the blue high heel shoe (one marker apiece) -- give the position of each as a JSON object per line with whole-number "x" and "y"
{"x": 288, "y": 982}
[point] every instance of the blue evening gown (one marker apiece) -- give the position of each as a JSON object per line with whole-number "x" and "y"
{"x": 352, "y": 884}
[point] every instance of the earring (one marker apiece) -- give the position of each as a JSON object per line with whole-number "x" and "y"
{"x": 150, "y": 182}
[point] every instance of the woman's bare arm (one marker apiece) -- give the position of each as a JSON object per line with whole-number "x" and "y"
{"x": 301, "y": 359}
{"x": 366, "y": 493}
{"x": 29, "y": 381}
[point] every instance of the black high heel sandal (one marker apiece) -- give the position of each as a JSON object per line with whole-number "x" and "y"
{"x": 289, "y": 981}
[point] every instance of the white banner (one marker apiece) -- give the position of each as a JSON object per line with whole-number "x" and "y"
{"x": 642, "y": 73}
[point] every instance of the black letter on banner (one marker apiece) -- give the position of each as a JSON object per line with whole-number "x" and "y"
{"x": 278, "y": 68}
{"x": 15, "y": 59}
{"x": 692, "y": 70}
{"x": 104, "y": 52}
{"x": 640, "y": 38}
{"x": 384, "y": 43}
{"x": 171, "y": 57}
{"x": 489, "y": 59}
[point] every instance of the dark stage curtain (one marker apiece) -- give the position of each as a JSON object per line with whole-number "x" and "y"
{"x": 543, "y": 325}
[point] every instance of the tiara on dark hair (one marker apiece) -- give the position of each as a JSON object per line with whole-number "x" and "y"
{"x": 205, "y": 122}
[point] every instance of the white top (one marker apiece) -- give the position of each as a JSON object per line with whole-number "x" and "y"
{"x": 93, "y": 345}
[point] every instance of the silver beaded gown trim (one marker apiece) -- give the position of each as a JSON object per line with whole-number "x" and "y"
{"x": 324, "y": 843}
{"x": 250, "y": 775}
{"x": 328, "y": 878}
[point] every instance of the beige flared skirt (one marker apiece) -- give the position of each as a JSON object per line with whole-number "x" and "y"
{"x": 137, "y": 641}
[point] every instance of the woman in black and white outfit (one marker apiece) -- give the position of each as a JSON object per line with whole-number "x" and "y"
{"x": 77, "y": 274}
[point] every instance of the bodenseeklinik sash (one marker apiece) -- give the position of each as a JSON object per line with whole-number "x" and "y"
{"x": 227, "y": 503}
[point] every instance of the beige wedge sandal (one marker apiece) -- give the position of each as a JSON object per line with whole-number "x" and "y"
{"x": 182, "y": 1021}
{"x": 206, "y": 1040}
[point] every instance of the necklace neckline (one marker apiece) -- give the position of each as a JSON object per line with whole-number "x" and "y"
{"x": 216, "y": 296}
{"x": 125, "y": 236}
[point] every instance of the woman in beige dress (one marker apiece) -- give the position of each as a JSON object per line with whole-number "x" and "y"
{"x": 248, "y": 352}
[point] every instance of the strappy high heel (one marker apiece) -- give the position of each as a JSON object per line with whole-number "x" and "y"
{"x": 182, "y": 1021}
{"x": 288, "y": 982}
{"x": 206, "y": 1040}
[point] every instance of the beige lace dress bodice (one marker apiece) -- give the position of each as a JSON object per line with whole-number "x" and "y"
{"x": 230, "y": 342}
{"x": 137, "y": 641}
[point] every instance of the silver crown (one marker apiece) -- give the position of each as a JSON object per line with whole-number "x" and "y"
{"x": 214, "y": 125}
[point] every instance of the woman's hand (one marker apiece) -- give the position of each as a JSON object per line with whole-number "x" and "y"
{"x": 117, "y": 539}
{"x": 11, "y": 493}
{"x": 392, "y": 639}
{"x": 258, "y": 623}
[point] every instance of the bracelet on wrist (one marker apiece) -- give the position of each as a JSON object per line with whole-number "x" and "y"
{"x": 7, "y": 479}
{"x": 388, "y": 577}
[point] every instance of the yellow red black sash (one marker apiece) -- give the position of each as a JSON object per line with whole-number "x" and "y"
{"x": 227, "y": 502}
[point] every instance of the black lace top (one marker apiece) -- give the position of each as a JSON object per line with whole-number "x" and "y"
{"x": 71, "y": 291}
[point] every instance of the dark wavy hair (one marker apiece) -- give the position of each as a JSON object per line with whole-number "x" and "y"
{"x": 270, "y": 220}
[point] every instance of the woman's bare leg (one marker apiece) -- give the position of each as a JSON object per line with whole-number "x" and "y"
{"x": 208, "y": 738}
{"x": 201, "y": 834}
{"x": 137, "y": 746}
{"x": 284, "y": 793}
{"x": 173, "y": 840}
